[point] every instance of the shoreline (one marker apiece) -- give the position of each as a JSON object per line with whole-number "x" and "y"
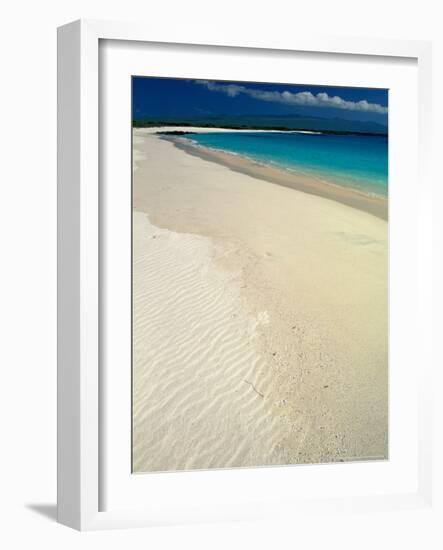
{"x": 377, "y": 206}
{"x": 261, "y": 319}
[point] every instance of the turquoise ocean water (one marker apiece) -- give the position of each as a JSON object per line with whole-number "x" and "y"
{"x": 356, "y": 161}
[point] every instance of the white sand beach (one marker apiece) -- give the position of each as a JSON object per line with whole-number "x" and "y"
{"x": 260, "y": 318}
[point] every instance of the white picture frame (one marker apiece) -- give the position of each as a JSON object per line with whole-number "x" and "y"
{"x": 79, "y": 363}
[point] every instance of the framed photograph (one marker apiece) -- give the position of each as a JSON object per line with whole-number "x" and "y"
{"x": 242, "y": 228}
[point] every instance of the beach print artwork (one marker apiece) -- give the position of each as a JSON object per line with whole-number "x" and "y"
{"x": 259, "y": 274}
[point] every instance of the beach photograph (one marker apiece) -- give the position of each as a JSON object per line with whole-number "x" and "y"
{"x": 259, "y": 274}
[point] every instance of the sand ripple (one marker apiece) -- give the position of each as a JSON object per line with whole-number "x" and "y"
{"x": 200, "y": 385}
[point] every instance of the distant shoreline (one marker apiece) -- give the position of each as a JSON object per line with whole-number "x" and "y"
{"x": 377, "y": 206}
{"x": 277, "y": 128}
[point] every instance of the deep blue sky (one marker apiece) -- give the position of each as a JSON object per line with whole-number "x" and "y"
{"x": 180, "y": 98}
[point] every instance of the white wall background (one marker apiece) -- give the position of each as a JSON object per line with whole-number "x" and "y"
{"x": 28, "y": 264}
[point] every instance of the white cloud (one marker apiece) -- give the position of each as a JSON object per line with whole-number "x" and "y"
{"x": 321, "y": 99}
